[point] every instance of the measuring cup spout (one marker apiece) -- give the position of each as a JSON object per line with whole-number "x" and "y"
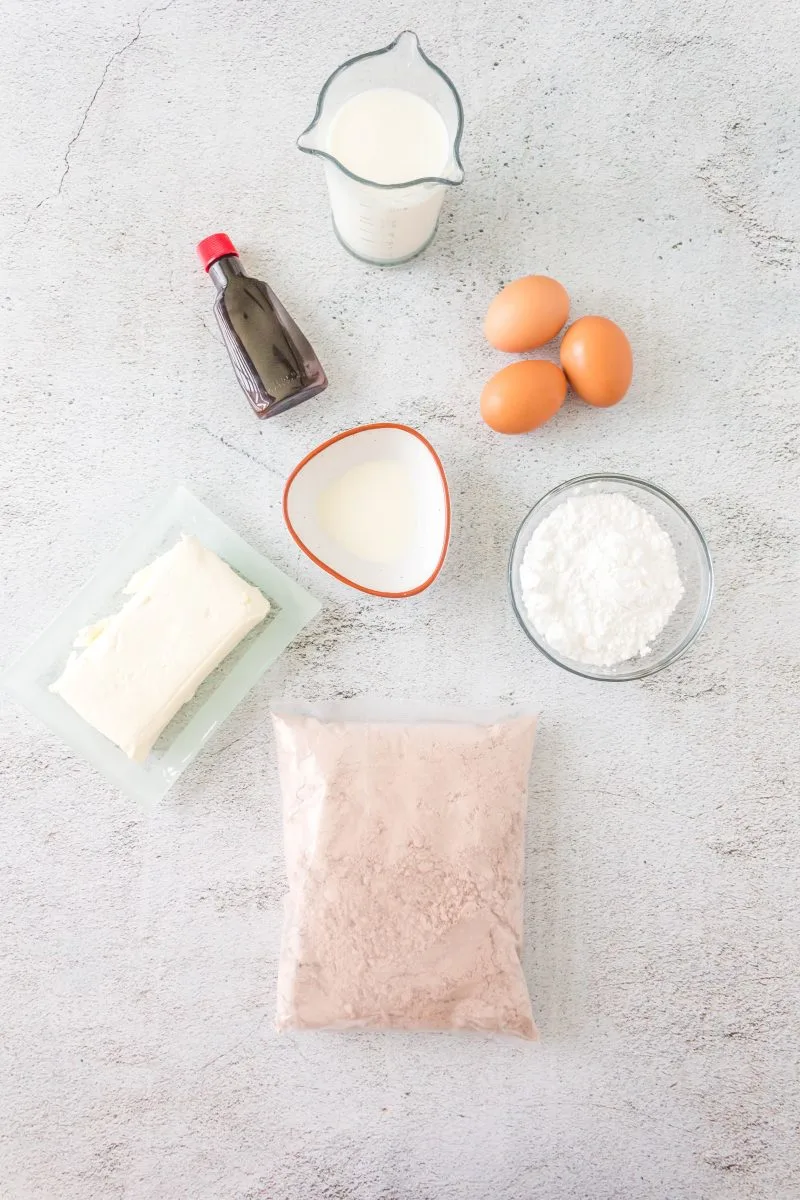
{"x": 308, "y": 141}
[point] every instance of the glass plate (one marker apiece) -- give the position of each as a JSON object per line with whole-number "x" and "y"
{"x": 29, "y": 679}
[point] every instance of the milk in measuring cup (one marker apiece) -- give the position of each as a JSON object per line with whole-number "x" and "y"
{"x": 388, "y": 136}
{"x": 384, "y": 120}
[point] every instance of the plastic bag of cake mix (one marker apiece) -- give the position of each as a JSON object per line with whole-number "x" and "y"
{"x": 404, "y": 852}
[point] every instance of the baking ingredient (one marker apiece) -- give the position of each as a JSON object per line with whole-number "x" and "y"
{"x": 402, "y": 138}
{"x": 523, "y": 396}
{"x": 187, "y": 611}
{"x": 274, "y": 361}
{"x": 389, "y": 135}
{"x": 600, "y": 579}
{"x": 597, "y": 360}
{"x": 526, "y": 314}
{"x": 404, "y": 855}
{"x": 371, "y": 510}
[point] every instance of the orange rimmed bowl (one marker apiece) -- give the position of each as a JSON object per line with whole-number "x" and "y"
{"x": 419, "y": 564}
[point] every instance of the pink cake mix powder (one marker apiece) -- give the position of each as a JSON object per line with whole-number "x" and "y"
{"x": 404, "y": 853}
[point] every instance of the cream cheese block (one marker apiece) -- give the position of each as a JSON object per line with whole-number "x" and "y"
{"x": 188, "y": 609}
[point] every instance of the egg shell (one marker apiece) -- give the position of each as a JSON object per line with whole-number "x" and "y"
{"x": 523, "y": 396}
{"x": 597, "y": 360}
{"x": 526, "y": 314}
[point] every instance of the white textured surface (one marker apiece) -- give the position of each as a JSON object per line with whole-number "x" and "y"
{"x": 644, "y": 154}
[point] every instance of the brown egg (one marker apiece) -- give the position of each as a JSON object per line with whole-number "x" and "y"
{"x": 597, "y": 361}
{"x": 526, "y": 314}
{"x": 523, "y": 396}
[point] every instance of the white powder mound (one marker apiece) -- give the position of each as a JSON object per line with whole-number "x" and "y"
{"x": 600, "y": 579}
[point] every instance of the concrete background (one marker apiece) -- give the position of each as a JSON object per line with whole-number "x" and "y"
{"x": 646, "y": 154}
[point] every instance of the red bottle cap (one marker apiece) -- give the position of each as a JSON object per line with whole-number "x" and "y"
{"x": 214, "y": 247}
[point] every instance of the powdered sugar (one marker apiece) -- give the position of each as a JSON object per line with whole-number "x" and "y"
{"x": 600, "y": 579}
{"x": 404, "y": 852}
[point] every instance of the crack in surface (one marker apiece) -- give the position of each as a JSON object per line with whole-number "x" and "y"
{"x": 727, "y": 179}
{"x": 87, "y": 110}
{"x": 238, "y": 450}
{"x": 180, "y": 300}
{"x": 236, "y": 1046}
{"x": 774, "y": 249}
{"x": 661, "y": 46}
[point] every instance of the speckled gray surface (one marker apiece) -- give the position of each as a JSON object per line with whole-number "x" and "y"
{"x": 646, "y": 155}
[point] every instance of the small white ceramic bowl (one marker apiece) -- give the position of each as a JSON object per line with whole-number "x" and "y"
{"x": 419, "y": 566}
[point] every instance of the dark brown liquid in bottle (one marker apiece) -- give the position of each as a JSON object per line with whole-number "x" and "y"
{"x": 273, "y": 359}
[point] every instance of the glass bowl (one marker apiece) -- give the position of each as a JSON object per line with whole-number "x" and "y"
{"x": 694, "y": 563}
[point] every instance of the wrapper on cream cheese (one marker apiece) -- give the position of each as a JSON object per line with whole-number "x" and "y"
{"x": 187, "y": 612}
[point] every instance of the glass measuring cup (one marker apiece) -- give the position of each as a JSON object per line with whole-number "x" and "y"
{"x": 386, "y": 223}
